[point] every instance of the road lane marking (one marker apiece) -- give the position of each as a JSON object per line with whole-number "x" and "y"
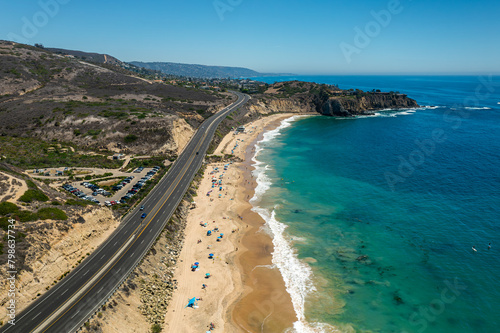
{"x": 78, "y": 295}
{"x": 102, "y": 270}
{"x": 65, "y": 292}
{"x": 86, "y": 272}
{"x": 36, "y": 316}
{"x": 73, "y": 316}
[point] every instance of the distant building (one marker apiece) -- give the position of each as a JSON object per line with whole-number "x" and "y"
{"x": 240, "y": 129}
{"x": 118, "y": 156}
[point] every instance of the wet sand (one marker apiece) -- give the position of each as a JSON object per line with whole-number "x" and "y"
{"x": 244, "y": 292}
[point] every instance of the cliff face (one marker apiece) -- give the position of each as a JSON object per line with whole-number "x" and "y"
{"x": 348, "y": 106}
{"x": 328, "y": 100}
{"x": 341, "y": 106}
{"x": 266, "y": 106}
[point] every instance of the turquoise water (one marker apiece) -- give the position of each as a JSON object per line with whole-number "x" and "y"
{"x": 382, "y": 212}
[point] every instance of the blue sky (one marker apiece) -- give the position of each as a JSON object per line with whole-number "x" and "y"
{"x": 317, "y": 37}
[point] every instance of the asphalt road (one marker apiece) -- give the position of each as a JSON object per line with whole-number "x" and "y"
{"x": 68, "y": 304}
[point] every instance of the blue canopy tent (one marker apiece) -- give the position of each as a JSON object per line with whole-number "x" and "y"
{"x": 192, "y": 303}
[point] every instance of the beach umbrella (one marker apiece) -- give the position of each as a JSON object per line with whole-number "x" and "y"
{"x": 221, "y": 235}
{"x": 207, "y": 275}
{"x": 191, "y": 302}
{"x": 196, "y": 263}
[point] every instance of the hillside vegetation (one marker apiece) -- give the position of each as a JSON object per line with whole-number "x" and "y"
{"x": 56, "y": 98}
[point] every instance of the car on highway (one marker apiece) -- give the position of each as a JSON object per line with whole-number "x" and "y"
{"x": 142, "y": 208}
{"x": 143, "y": 215}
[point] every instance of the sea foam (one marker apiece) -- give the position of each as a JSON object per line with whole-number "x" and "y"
{"x": 477, "y": 108}
{"x": 297, "y": 275}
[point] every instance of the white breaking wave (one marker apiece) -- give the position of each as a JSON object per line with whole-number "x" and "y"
{"x": 477, "y": 108}
{"x": 430, "y": 107}
{"x": 401, "y": 112}
{"x": 388, "y": 113}
{"x": 297, "y": 275}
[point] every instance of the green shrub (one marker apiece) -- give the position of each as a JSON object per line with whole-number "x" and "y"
{"x": 4, "y": 223}
{"x": 7, "y": 208}
{"x": 130, "y": 138}
{"x": 156, "y": 328}
{"x": 33, "y": 195}
{"x": 74, "y": 202}
{"x": 51, "y": 213}
{"x": 25, "y": 216}
{"x": 31, "y": 184}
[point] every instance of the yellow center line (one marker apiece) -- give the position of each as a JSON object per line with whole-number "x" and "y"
{"x": 176, "y": 182}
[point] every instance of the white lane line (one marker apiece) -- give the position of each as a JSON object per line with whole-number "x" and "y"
{"x": 73, "y": 316}
{"x": 132, "y": 255}
{"x": 115, "y": 243}
{"x": 150, "y": 230}
{"x": 43, "y": 327}
{"x": 36, "y": 316}
{"x": 100, "y": 290}
{"x": 142, "y": 241}
{"x": 103, "y": 256}
{"x": 86, "y": 272}
{"x": 64, "y": 292}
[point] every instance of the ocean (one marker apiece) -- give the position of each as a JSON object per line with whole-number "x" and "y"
{"x": 374, "y": 219}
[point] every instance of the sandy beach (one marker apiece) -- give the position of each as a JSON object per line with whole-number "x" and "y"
{"x": 243, "y": 293}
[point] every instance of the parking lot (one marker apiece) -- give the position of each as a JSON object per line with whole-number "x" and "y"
{"x": 123, "y": 190}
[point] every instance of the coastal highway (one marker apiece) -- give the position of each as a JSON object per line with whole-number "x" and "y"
{"x": 69, "y": 303}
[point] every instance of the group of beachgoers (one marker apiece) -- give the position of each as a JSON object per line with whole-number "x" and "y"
{"x": 211, "y": 229}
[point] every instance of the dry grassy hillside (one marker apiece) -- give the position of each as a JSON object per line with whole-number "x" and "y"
{"x": 51, "y": 97}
